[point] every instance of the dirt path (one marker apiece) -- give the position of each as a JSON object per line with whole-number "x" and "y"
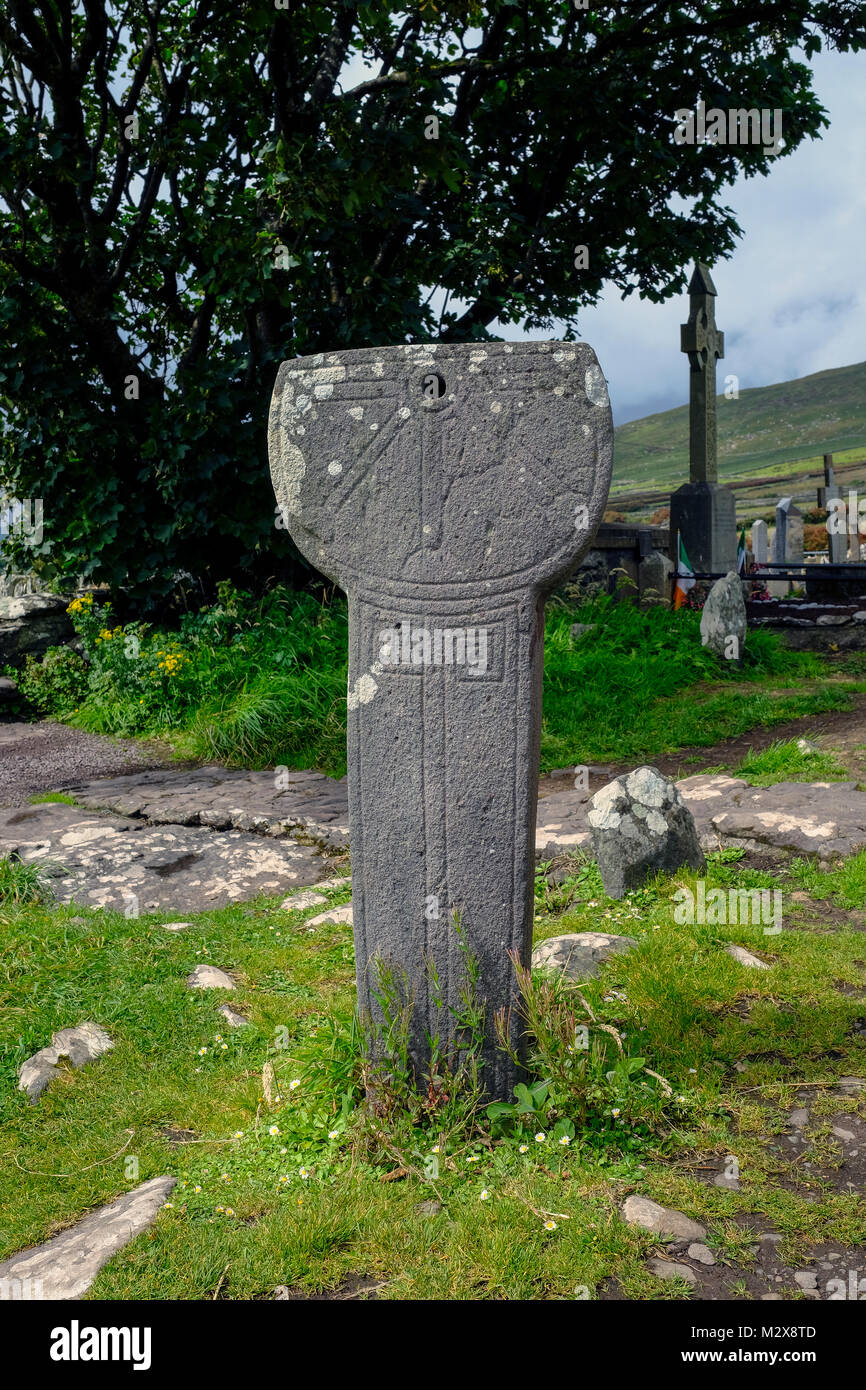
{"x": 48, "y": 757}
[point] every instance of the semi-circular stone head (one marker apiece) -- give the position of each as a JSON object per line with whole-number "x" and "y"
{"x": 479, "y": 466}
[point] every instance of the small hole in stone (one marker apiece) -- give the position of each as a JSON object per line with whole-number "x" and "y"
{"x": 433, "y": 386}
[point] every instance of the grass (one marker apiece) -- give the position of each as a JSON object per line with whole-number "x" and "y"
{"x": 790, "y": 760}
{"x": 157, "y": 1103}
{"x": 263, "y": 683}
{"x": 765, "y": 430}
{"x": 639, "y": 684}
{"x": 20, "y": 883}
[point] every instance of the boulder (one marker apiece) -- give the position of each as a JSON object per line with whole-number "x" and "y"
{"x": 640, "y": 825}
{"x": 29, "y": 625}
{"x": 723, "y": 620}
{"x": 579, "y": 955}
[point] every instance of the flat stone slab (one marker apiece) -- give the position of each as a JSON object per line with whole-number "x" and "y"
{"x": 823, "y": 818}
{"x": 739, "y": 953}
{"x": 305, "y": 804}
{"x": 334, "y": 918}
{"x": 66, "y": 1265}
{"x": 77, "y": 1045}
{"x": 129, "y": 866}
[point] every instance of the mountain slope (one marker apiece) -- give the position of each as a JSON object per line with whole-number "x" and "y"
{"x": 767, "y": 428}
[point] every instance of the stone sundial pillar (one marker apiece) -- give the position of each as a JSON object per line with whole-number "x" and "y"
{"x": 447, "y": 488}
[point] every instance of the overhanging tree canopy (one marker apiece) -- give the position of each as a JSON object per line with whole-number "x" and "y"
{"x": 190, "y": 192}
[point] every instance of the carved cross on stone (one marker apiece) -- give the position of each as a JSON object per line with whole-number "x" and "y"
{"x": 705, "y": 344}
{"x": 447, "y": 489}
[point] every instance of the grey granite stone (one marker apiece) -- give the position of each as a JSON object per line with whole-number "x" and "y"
{"x": 65, "y": 1266}
{"x": 664, "y": 1221}
{"x": 447, "y": 488}
{"x": 669, "y": 1269}
{"x": 77, "y": 1046}
{"x": 723, "y": 619}
{"x": 29, "y": 625}
{"x": 640, "y": 825}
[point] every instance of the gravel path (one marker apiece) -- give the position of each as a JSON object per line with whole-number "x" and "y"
{"x": 49, "y": 757}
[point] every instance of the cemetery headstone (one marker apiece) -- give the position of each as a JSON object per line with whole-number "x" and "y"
{"x": 760, "y": 543}
{"x": 702, "y": 512}
{"x": 788, "y": 542}
{"x": 447, "y": 488}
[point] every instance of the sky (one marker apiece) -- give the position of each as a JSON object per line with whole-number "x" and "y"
{"x": 791, "y": 299}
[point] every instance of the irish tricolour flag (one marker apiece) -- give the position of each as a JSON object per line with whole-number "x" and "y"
{"x": 685, "y": 577}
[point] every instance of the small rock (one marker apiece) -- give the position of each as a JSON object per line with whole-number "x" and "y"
{"x": 845, "y": 1134}
{"x": 771, "y": 1298}
{"x": 429, "y": 1208}
{"x": 806, "y": 1278}
{"x": 328, "y": 883}
{"x": 642, "y": 1211}
{"x": 333, "y": 918}
{"x": 702, "y": 1253}
{"x": 281, "y": 1293}
{"x": 299, "y": 902}
{"x": 579, "y": 955}
{"x": 667, "y": 1269}
{"x": 232, "y": 1019}
{"x": 832, "y": 620}
{"x": 852, "y": 1084}
{"x": 745, "y": 957}
{"x": 722, "y": 1180}
{"x": 209, "y": 977}
{"x": 772, "y": 1237}
{"x": 175, "y": 926}
{"x": 799, "y": 897}
{"x": 798, "y": 1118}
{"x": 78, "y": 1045}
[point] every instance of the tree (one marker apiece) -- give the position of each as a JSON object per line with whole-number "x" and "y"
{"x": 192, "y": 191}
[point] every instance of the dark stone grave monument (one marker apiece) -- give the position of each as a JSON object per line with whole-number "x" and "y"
{"x": 447, "y": 488}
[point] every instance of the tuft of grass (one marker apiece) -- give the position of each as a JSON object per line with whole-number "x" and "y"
{"x": 20, "y": 883}
{"x": 845, "y": 885}
{"x": 790, "y": 760}
{"x": 53, "y": 798}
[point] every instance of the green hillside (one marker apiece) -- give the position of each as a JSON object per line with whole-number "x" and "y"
{"x": 764, "y": 431}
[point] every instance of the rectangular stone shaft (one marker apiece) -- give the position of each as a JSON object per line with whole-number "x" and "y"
{"x": 442, "y": 798}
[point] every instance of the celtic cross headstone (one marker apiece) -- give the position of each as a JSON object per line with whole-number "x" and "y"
{"x": 446, "y": 488}
{"x": 702, "y": 512}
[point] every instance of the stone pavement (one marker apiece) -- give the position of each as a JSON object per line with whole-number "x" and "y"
{"x": 133, "y": 867}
